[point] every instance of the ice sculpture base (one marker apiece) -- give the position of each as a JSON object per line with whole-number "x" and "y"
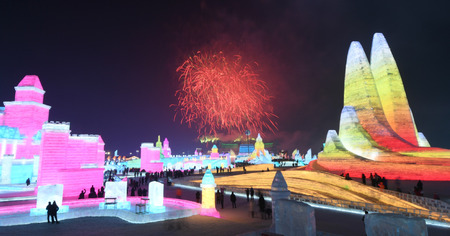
{"x": 43, "y": 211}
{"x": 210, "y": 212}
{"x": 126, "y": 205}
{"x": 155, "y": 209}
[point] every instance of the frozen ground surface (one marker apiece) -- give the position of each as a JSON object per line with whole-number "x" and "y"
{"x": 232, "y": 222}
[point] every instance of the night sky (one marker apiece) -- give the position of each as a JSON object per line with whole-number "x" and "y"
{"x": 109, "y": 67}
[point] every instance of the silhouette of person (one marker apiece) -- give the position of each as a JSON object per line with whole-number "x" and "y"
{"x": 197, "y": 196}
{"x": 221, "y": 199}
{"x": 54, "y": 210}
{"x": 261, "y": 203}
{"x": 144, "y": 192}
{"x": 347, "y": 177}
{"x": 364, "y": 217}
{"x": 28, "y": 182}
{"x": 252, "y": 192}
{"x": 81, "y": 196}
{"x": 49, "y": 210}
{"x": 420, "y": 185}
{"x": 92, "y": 193}
{"x": 247, "y": 192}
{"x": 233, "y": 200}
{"x": 217, "y": 197}
{"x": 363, "y": 178}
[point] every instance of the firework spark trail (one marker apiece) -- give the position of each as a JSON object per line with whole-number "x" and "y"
{"x": 218, "y": 95}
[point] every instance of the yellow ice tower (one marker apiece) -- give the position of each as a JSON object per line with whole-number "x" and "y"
{"x": 259, "y": 146}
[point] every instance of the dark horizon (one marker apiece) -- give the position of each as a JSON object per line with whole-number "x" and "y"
{"x": 109, "y": 68}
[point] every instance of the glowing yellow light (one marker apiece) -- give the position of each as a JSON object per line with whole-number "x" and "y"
{"x": 208, "y": 198}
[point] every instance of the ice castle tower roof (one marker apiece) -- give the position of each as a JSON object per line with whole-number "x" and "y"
{"x": 31, "y": 81}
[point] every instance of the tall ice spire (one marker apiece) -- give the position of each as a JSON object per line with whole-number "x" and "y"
{"x": 390, "y": 89}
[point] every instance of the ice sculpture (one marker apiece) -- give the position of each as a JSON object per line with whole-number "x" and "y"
{"x": 156, "y": 195}
{"x": 208, "y": 195}
{"x": 376, "y": 121}
{"x": 259, "y": 154}
{"x": 308, "y": 156}
{"x": 53, "y": 154}
{"x": 259, "y": 146}
{"x": 294, "y": 218}
{"x": 49, "y": 193}
{"x": 279, "y": 191}
{"x": 46, "y": 194}
{"x": 117, "y": 190}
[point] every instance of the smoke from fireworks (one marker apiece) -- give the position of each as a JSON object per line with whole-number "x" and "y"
{"x": 218, "y": 95}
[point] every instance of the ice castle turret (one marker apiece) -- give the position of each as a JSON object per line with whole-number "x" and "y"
{"x": 214, "y": 152}
{"x": 166, "y": 149}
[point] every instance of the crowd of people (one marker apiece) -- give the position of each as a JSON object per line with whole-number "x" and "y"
{"x": 139, "y": 186}
{"x": 92, "y": 194}
{"x": 222, "y": 170}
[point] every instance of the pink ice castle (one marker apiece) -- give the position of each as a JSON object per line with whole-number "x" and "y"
{"x": 57, "y": 157}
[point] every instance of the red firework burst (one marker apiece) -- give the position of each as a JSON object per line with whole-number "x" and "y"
{"x": 222, "y": 95}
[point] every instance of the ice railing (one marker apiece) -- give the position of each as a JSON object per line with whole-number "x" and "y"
{"x": 429, "y": 203}
{"x": 428, "y": 214}
{"x": 439, "y": 214}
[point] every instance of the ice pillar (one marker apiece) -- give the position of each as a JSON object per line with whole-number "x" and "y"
{"x": 208, "y": 195}
{"x": 14, "y": 151}
{"x": 6, "y": 169}
{"x": 35, "y": 168}
{"x": 278, "y": 191}
{"x": 3, "y": 148}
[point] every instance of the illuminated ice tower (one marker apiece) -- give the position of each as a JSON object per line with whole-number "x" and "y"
{"x": 27, "y": 113}
{"x": 259, "y": 146}
{"x": 208, "y": 195}
{"x": 158, "y": 143}
{"x": 214, "y": 152}
{"x": 49, "y": 153}
{"x": 166, "y": 149}
{"x": 150, "y": 158}
{"x": 376, "y": 120}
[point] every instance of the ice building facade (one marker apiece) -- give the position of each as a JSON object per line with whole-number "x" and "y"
{"x": 376, "y": 122}
{"x": 46, "y": 152}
